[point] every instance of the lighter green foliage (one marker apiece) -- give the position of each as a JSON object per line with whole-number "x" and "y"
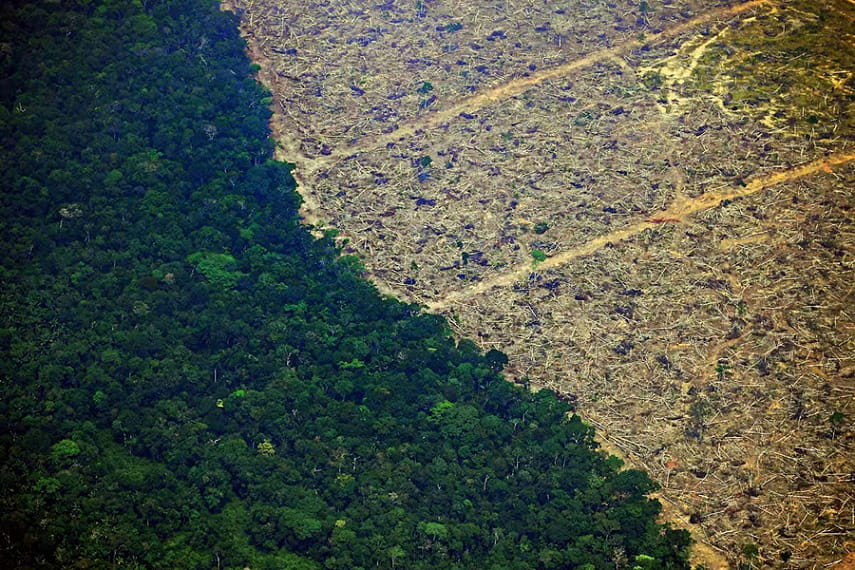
{"x": 218, "y": 268}
{"x": 438, "y": 411}
{"x": 266, "y": 448}
{"x": 65, "y": 448}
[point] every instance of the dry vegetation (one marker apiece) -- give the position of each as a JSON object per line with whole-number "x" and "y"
{"x": 702, "y": 351}
{"x": 349, "y": 69}
{"x": 647, "y": 205}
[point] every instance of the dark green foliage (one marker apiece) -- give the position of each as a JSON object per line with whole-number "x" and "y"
{"x": 190, "y": 380}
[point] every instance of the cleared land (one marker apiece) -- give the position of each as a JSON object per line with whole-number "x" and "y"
{"x": 647, "y": 205}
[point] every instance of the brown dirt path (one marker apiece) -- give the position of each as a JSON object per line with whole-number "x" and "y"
{"x": 306, "y": 168}
{"x": 520, "y": 85}
{"x": 678, "y": 212}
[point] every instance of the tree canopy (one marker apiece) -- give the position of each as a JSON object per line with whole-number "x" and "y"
{"x": 191, "y": 380}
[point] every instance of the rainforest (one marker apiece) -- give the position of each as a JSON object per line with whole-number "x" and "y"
{"x": 191, "y": 379}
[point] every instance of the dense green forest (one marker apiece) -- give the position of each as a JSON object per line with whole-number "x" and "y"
{"x": 190, "y": 380}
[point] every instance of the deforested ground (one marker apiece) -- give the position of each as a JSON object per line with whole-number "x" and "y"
{"x": 647, "y": 205}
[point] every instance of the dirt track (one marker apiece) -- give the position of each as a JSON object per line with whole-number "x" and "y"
{"x": 518, "y": 86}
{"x": 694, "y": 298}
{"x": 678, "y": 212}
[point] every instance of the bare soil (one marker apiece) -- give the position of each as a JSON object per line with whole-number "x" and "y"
{"x": 647, "y": 205}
